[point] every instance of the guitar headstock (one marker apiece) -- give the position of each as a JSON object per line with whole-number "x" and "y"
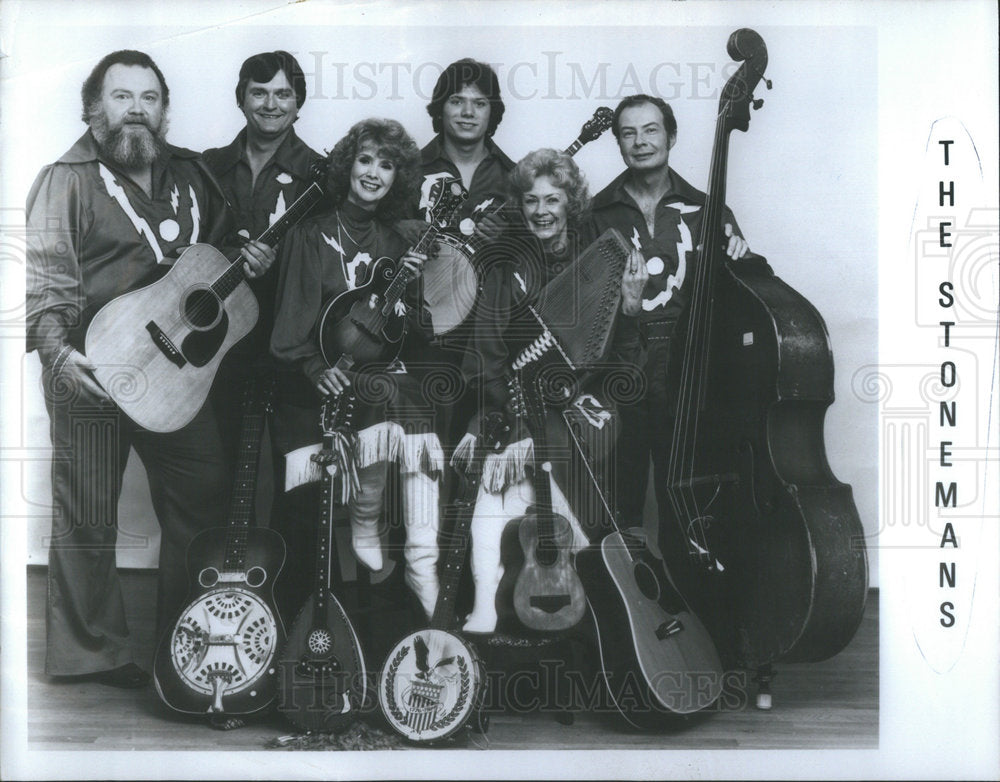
{"x": 596, "y": 125}
{"x": 447, "y": 197}
{"x": 526, "y": 398}
{"x": 746, "y": 46}
{"x": 337, "y": 412}
{"x": 493, "y": 433}
{"x": 258, "y": 395}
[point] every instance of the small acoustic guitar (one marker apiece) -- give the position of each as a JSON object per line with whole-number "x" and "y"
{"x": 548, "y": 595}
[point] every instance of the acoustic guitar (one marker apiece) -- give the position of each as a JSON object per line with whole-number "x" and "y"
{"x": 658, "y": 661}
{"x": 218, "y": 657}
{"x": 322, "y": 677}
{"x": 155, "y": 350}
{"x": 433, "y": 681}
{"x": 369, "y": 322}
{"x": 548, "y": 595}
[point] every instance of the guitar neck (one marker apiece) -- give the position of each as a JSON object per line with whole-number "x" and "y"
{"x": 543, "y": 464}
{"x": 394, "y": 292}
{"x": 276, "y": 232}
{"x": 336, "y": 413}
{"x": 444, "y": 609}
{"x": 571, "y": 150}
{"x": 234, "y": 275}
{"x": 241, "y": 511}
{"x": 324, "y": 535}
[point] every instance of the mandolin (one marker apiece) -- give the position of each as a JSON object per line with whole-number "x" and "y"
{"x": 433, "y": 681}
{"x": 218, "y": 656}
{"x": 759, "y": 532}
{"x": 322, "y": 679}
{"x": 369, "y": 322}
{"x": 155, "y": 350}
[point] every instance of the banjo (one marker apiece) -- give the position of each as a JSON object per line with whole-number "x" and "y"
{"x": 433, "y": 681}
{"x": 450, "y": 280}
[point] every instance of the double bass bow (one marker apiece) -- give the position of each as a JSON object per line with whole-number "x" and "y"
{"x": 762, "y": 532}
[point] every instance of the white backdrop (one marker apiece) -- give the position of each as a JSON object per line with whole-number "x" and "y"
{"x": 829, "y": 184}
{"x": 801, "y": 182}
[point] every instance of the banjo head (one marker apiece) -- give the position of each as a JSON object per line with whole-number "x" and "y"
{"x": 450, "y": 282}
{"x": 431, "y": 684}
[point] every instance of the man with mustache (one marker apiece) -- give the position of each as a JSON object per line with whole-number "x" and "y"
{"x": 262, "y": 172}
{"x": 110, "y": 216}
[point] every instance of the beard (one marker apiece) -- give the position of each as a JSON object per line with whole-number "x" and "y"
{"x": 132, "y": 144}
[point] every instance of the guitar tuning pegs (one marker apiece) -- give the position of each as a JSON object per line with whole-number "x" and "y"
{"x": 767, "y": 82}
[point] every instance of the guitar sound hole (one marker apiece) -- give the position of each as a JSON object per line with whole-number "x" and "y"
{"x": 202, "y": 308}
{"x": 256, "y": 576}
{"x": 647, "y": 581}
{"x": 208, "y": 577}
{"x": 546, "y": 554}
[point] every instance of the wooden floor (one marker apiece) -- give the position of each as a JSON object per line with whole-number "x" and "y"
{"x": 832, "y": 704}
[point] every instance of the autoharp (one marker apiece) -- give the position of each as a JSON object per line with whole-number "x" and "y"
{"x": 577, "y": 308}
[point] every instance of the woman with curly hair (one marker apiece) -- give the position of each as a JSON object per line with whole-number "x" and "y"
{"x": 372, "y": 175}
{"x": 551, "y": 193}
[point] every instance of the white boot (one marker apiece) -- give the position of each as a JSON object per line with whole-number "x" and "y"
{"x": 422, "y": 519}
{"x": 491, "y": 515}
{"x": 366, "y": 515}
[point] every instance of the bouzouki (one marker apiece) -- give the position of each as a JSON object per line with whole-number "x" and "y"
{"x": 322, "y": 679}
{"x": 548, "y": 595}
{"x": 155, "y": 350}
{"x": 218, "y": 656}
{"x": 433, "y": 681}
{"x": 450, "y": 282}
{"x": 369, "y": 322}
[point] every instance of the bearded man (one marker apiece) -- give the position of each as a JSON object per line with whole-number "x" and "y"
{"x": 109, "y": 216}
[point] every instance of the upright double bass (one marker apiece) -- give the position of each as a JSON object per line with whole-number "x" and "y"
{"x": 765, "y": 541}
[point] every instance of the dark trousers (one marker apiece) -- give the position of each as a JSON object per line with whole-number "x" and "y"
{"x": 646, "y": 431}
{"x": 85, "y": 617}
{"x": 227, "y": 398}
{"x": 648, "y": 428}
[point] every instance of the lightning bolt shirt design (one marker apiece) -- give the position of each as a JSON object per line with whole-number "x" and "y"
{"x": 256, "y": 205}
{"x": 489, "y": 181}
{"x": 669, "y": 250}
{"x": 94, "y": 234}
{"x": 117, "y": 193}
